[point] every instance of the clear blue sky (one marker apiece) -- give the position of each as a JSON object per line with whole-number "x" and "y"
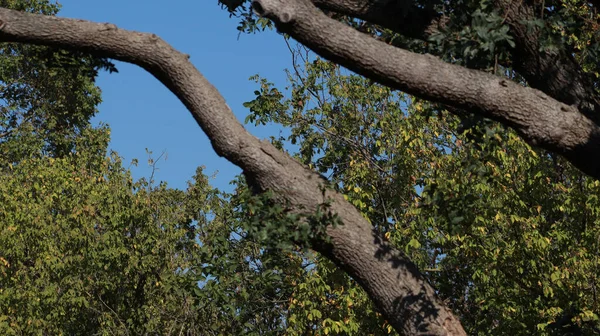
{"x": 142, "y": 113}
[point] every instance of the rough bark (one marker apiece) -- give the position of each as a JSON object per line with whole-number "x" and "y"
{"x": 555, "y": 73}
{"x": 540, "y": 119}
{"x": 394, "y": 283}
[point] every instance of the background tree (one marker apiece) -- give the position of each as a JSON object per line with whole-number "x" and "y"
{"x": 37, "y": 118}
{"x": 85, "y": 249}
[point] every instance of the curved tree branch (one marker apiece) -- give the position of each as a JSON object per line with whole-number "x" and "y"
{"x": 555, "y": 73}
{"x": 540, "y": 119}
{"x": 394, "y": 283}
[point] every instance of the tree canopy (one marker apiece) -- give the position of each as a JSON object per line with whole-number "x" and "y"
{"x": 447, "y": 185}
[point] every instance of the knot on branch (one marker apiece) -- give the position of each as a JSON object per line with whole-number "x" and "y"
{"x": 109, "y": 26}
{"x": 280, "y": 11}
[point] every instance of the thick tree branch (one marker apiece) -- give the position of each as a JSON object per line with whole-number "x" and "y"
{"x": 538, "y": 118}
{"x": 402, "y": 294}
{"x": 556, "y": 73}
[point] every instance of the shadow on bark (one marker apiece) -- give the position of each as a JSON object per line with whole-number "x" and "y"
{"x": 416, "y": 305}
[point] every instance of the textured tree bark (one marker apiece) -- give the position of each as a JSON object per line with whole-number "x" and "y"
{"x": 394, "y": 283}
{"x": 539, "y": 118}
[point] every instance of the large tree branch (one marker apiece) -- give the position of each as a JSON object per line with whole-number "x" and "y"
{"x": 538, "y": 118}
{"x": 398, "y": 289}
{"x": 554, "y": 72}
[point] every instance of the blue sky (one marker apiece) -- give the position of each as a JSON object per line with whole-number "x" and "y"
{"x": 142, "y": 113}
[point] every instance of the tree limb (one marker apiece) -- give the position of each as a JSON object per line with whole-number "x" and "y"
{"x": 394, "y": 283}
{"x": 556, "y": 73}
{"x": 538, "y": 118}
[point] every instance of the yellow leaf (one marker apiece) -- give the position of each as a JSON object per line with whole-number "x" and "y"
{"x": 533, "y": 153}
